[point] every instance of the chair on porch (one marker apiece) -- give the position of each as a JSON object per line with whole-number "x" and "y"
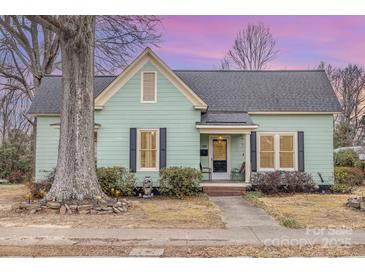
{"x": 206, "y": 170}
{"x": 238, "y": 174}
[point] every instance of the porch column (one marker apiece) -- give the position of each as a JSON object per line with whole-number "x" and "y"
{"x": 248, "y": 158}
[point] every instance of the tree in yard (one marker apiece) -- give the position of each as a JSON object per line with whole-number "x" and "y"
{"x": 349, "y": 86}
{"x": 30, "y": 47}
{"x": 253, "y": 49}
{"x": 75, "y": 177}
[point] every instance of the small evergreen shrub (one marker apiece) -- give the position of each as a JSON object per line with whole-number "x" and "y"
{"x": 341, "y": 188}
{"x": 347, "y": 158}
{"x": 114, "y": 179}
{"x": 282, "y": 181}
{"x": 15, "y": 163}
{"x": 351, "y": 176}
{"x": 180, "y": 181}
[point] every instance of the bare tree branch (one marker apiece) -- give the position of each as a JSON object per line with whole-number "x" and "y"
{"x": 253, "y": 49}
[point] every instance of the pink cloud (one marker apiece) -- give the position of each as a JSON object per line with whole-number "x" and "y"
{"x": 302, "y": 40}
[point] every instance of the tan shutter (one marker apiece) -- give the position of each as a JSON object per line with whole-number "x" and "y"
{"x": 149, "y": 86}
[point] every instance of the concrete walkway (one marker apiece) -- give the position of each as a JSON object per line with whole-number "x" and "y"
{"x": 236, "y": 212}
{"x": 245, "y": 225}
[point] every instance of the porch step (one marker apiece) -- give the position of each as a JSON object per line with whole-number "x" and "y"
{"x": 224, "y": 190}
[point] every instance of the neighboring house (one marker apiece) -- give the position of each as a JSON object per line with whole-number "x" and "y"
{"x": 150, "y": 117}
{"x": 360, "y": 151}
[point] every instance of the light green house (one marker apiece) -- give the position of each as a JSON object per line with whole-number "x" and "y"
{"x": 226, "y": 123}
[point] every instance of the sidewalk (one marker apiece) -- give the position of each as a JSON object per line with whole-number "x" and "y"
{"x": 261, "y": 235}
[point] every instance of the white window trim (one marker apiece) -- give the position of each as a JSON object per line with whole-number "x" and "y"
{"x": 157, "y": 130}
{"x": 155, "y": 100}
{"x": 277, "y": 150}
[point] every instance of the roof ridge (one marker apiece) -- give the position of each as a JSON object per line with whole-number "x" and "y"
{"x": 232, "y": 70}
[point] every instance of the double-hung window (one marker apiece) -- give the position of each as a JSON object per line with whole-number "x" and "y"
{"x": 277, "y": 151}
{"x": 148, "y": 148}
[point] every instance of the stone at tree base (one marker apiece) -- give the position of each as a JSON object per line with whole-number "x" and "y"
{"x": 353, "y": 201}
{"x": 73, "y": 208}
{"x": 84, "y": 207}
{"x": 68, "y": 209}
{"x": 362, "y": 206}
{"x": 63, "y": 210}
{"x": 53, "y": 205}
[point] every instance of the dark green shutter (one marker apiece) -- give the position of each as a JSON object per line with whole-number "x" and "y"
{"x": 253, "y": 151}
{"x": 300, "y": 150}
{"x": 133, "y": 149}
{"x": 162, "y": 147}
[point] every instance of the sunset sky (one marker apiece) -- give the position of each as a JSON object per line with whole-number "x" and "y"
{"x": 302, "y": 41}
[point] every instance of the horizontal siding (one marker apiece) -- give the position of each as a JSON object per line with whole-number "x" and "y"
{"x": 172, "y": 111}
{"x": 124, "y": 111}
{"x": 47, "y": 146}
{"x": 318, "y": 139}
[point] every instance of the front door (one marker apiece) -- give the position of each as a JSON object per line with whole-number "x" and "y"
{"x": 219, "y": 158}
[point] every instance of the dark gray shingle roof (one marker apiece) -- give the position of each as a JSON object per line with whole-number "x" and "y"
{"x": 260, "y": 91}
{"x": 245, "y": 91}
{"x": 213, "y": 117}
{"x": 48, "y": 97}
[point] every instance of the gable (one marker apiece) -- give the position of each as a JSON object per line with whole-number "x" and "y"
{"x": 148, "y": 57}
{"x": 129, "y": 96}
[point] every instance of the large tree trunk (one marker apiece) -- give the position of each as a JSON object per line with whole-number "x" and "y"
{"x": 75, "y": 173}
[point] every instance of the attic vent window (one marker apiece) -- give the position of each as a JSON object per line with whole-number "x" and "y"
{"x": 149, "y": 87}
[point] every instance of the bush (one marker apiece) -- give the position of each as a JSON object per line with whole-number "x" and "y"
{"x": 347, "y": 158}
{"x": 297, "y": 181}
{"x": 282, "y": 181}
{"x": 116, "y": 178}
{"x": 15, "y": 163}
{"x": 341, "y": 188}
{"x": 351, "y": 176}
{"x": 180, "y": 181}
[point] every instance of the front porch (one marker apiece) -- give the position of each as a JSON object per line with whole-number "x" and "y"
{"x": 225, "y": 158}
{"x": 225, "y": 145}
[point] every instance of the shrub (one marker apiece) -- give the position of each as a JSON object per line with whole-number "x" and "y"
{"x": 348, "y": 158}
{"x": 341, "y": 188}
{"x": 180, "y": 181}
{"x": 116, "y": 178}
{"x": 297, "y": 181}
{"x": 15, "y": 163}
{"x": 282, "y": 181}
{"x": 351, "y": 176}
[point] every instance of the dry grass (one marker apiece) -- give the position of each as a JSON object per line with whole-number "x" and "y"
{"x": 314, "y": 210}
{"x": 186, "y": 251}
{"x": 194, "y": 212}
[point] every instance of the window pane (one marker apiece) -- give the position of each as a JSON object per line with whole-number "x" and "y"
{"x": 148, "y": 148}
{"x": 267, "y": 143}
{"x": 286, "y": 159}
{"x": 267, "y": 159}
{"x": 286, "y": 143}
{"x": 219, "y": 150}
{"x": 148, "y": 140}
{"x": 148, "y": 158}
